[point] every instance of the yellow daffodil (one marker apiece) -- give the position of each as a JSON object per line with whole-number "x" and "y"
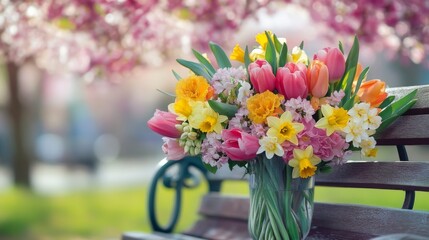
{"x": 181, "y": 108}
{"x": 270, "y": 146}
{"x": 304, "y": 163}
{"x": 237, "y": 54}
{"x": 298, "y": 56}
{"x": 204, "y": 118}
{"x": 283, "y": 128}
{"x": 262, "y": 39}
{"x": 333, "y": 119}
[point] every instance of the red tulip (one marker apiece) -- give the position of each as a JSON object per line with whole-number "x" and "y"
{"x": 164, "y": 123}
{"x": 261, "y": 76}
{"x": 292, "y": 81}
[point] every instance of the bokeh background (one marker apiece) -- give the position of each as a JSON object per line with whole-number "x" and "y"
{"x": 80, "y": 79}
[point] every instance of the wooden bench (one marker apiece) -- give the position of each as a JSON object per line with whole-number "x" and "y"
{"x": 225, "y": 217}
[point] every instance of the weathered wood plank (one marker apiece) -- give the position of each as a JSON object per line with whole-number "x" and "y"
{"x": 321, "y": 233}
{"x": 225, "y": 206}
{"x": 422, "y": 104}
{"x": 371, "y": 220}
{"x": 219, "y": 228}
{"x": 407, "y": 130}
{"x": 381, "y": 175}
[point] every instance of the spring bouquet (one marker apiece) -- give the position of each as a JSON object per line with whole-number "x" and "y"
{"x": 283, "y": 116}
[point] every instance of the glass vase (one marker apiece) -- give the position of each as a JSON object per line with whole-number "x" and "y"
{"x": 280, "y": 207}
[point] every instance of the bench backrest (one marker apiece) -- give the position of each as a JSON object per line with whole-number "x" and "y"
{"x": 227, "y": 215}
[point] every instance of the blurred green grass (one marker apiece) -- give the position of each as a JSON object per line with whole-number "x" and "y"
{"x": 105, "y": 214}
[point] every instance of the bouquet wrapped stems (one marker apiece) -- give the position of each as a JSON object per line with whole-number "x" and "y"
{"x": 280, "y": 207}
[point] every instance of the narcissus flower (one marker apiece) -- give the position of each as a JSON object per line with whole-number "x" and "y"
{"x": 304, "y": 163}
{"x": 237, "y": 54}
{"x": 283, "y": 128}
{"x": 270, "y": 146}
{"x": 204, "y": 118}
{"x": 333, "y": 119}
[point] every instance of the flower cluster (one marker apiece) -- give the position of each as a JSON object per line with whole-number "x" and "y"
{"x": 309, "y": 112}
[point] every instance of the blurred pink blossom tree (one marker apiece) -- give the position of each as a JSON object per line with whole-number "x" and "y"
{"x": 91, "y": 37}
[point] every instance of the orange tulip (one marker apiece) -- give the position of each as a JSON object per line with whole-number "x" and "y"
{"x": 317, "y": 79}
{"x": 373, "y": 92}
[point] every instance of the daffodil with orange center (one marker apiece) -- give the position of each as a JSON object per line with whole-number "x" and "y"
{"x": 263, "y": 105}
{"x": 304, "y": 163}
{"x": 283, "y": 128}
{"x": 333, "y": 119}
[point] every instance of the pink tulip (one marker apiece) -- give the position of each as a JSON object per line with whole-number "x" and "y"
{"x": 172, "y": 149}
{"x": 291, "y": 80}
{"x": 261, "y": 76}
{"x": 164, "y": 123}
{"x": 334, "y": 60}
{"x": 239, "y": 145}
{"x": 318, "y": 79}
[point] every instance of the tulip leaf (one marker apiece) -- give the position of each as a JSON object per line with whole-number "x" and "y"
{"x": 270, "y": 53}
{"x": 204, "y": 62}
{"x": 283, "y": 55}
{"x": 221, "y": 58}
{"x": 387, "y": 101}
{"x": 348, "y": 84}
{"x": 301, "y": 45}
{"x": 351, "y": 62}
{"x": 226, "y": 109}
{"x": 392, "y": 118}
{"x": 247, "y": 60}
{"x": 277, "y": 43}
{"x": 176, "y": 75}
{"x": 197, "y": 68}
{"x": 362, "y": 76}
{"x": 398, "y": 106}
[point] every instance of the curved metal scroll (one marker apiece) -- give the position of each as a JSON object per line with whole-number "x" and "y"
{"x": 409, "y": 195}
{"x": 184, "y": 178}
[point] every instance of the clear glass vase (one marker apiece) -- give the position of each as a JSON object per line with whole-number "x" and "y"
{"x": 280, "y": 207}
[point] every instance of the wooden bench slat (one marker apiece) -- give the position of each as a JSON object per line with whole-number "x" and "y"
{"x": 407, "y": 130}
{"x": 371, "y": 220}
{"x": 381, "y": 175}
{"x": 322, "y": 233}
{"x": 225, "y": 206}
{"x": 218, "y": 228}
{"x": 422, "y": 104}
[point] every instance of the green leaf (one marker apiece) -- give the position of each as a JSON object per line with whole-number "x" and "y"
{"x": 283, "y": 55}
{"x": 226, "y": 109}
{"x": 351, "y": 62}
{"x": 270, "y": 53}
{"x": 204, "y": 62}
{"x": 247, "y": 60}
{"x": 398, "y": 106}
{"x": 166, "y": 93}
{"x": 277, "y": 43}
{"x": 362, "y": 76}
{"x": 210, "y": 168}
{"x": 392, "y": 118}
{"x": 195, "y": 67}
{"x": 387, "y": 101}
{"x": 341, "y": 47}
{"x": 349, "y": 83}
{"x": 176, "y": 75}
{"x": 325, "y": 169}
{"x": 301, "y": 45}
{"x": 221, "y": 58}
